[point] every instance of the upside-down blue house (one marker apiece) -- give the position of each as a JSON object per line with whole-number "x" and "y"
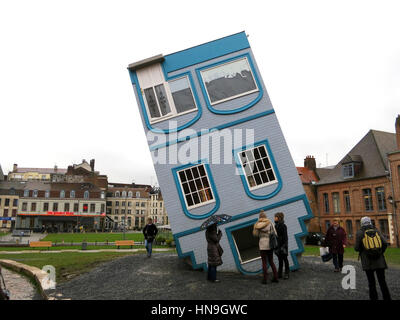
{"x": 217, "y": 148}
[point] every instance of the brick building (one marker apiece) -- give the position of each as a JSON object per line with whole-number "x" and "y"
{"x": 366, "y": 182}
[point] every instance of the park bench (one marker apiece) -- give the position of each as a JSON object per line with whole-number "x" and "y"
{"x": 119, "y": 243}
{"x": 40, "y": 244}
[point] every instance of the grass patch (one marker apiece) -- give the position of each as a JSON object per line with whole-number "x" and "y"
{"x": 92, "y": 237}
{"x": 67, "y": 264}
{"x": 392, "y": 255}
{"x": 66, "y": 247}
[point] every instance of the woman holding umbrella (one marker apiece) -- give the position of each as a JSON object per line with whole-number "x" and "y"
{"x": 214, "y": 250}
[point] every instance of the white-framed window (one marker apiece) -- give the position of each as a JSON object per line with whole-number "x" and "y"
{"x": 72, "y": 194}
{"x": 195, "y": 186}
{"x": 229, "y": 80}
{"x": 137, "y": 194}
{"x": 26, "y": 193}
{"x": 47, "y": 194}
{"x": 117, "y": 194}
{"x": 123, "y": 194}
{"x": 102, "y": 195}
{"x": 130, "y": 194}
{"x": 35, "y": 193}
{"x": 165, "y": 99}
{"x": 86, "y": 194}
{"x": 348, "y": 171}
{"x": 257, "y": 167}
{"x": 62, "y": 194}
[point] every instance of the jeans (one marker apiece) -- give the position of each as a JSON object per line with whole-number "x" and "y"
{"x": 337, "y": 259}
{"x": 212, "y": 273}
{"x": 373, "y": 294}
{"x": 149, "y": 247}
{"x": 283, "y": 259}
{"x": 268, "y": 254}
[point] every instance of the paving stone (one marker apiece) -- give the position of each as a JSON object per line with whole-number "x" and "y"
{"x": 20, "y": 287}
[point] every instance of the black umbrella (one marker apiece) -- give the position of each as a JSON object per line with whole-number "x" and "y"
{"x": 219, "y": 218}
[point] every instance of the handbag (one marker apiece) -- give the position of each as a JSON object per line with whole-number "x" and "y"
{"x": 273, "y": 240}
{"x": 5, "y": 291}
{"x": 325, "y": 254}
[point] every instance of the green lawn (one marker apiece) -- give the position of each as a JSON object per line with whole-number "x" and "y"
{"x": 4, "y": 233}
{"x": 99, "y": 237}
{"x": 67, "y": 247}
{"x": 67, "y": 264}
{"x": 392, "y": 255}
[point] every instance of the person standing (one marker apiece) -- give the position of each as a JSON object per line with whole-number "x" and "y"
{"x": 150, "y": 231}
{"x": 336, "y": 239}
{"x": 263, "y": 229}
{"x": 214, "y": 251}
{"x": 371, "y": 245}
{"x": 282, "y": 250}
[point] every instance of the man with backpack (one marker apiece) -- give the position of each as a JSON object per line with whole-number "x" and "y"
{"x": 371, "y": 245}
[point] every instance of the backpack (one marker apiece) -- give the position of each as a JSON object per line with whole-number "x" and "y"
{"x": 372, "y": 243}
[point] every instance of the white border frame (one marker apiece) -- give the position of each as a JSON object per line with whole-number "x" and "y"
{"x": 233, "y": 97}
{"x": 244, "y": 171}
{"x": 171, "y": 102}
{"x": 183, "y": 191}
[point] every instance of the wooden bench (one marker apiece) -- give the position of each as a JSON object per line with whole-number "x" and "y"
{"x": 119, "y": 243}
{"x": 40, "y": 244}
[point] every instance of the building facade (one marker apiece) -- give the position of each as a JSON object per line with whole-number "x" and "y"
{"x": 130, "y": 205}
{"x": 9, "y": 197}
{"x": 364, "y": 183}
{"x": 61, "y": 207}
{"x": 34, "y": 174}
{"x": 191, "y": 102}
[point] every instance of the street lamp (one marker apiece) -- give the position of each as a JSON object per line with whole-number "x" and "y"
{"x": 393, "y": 203}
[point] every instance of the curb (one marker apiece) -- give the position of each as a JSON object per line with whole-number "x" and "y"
{"x": 35, "y": 273}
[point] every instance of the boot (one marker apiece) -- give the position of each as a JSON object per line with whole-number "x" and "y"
{"x": 286, "y": 276}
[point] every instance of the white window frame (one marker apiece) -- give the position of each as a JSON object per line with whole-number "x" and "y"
{"x": 183, "y": 191}
{"x": 244, "y": 171}
{"x": 152, "y": 76}
{"x": 235, "y": 96}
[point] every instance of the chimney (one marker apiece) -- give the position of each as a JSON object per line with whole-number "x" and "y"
{"x": 55, "y": 168}
{"x": 15, "y": 167}
{"x": 310, "y": 163}
{"x": 398, "y": 131}
{"x": 92, "y": 164}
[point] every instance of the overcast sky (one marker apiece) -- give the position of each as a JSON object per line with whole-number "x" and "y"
{"x": 331, "y": 68}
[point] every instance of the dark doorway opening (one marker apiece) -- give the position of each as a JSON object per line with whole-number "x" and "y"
{"x": 246, "y": 244}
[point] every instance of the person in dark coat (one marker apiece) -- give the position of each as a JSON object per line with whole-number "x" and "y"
{"x": 150, "y": 231}
{"x": 336, "y": 240}
{"x": 214, "y": 251}
{"x": 282, "y": 250}
{"x": 372, "y": 265}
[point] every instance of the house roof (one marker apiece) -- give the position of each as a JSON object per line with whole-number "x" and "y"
{"x": 371, "y": 151}
{"x": 41, "y": 170}
{"x": 307, "y": 175}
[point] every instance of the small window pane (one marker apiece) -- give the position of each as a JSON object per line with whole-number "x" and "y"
{"x": 262, "y": 152}
{"x": 189, "y": 200}
{"x": 271, "y": 175}
{"x": 209, "y": 194}
{"x": 196, "y": 198}
{"x": 195, "y": 172}
{"x": 189, "y": 174}
{"x": 198, "y": 184}
{"x": 202, "y": 171}
{"x": 186, "y": 188}
{"x": 205, "y": 182}
{"x": 151, "y": 103}
{"x": 182, "y": 176}
{"x": 182, "y": 95}
{"x": 192, "y": 186}
{"x": 162, "y": 99}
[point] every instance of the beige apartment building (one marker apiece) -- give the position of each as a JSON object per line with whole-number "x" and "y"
{"x": 34, "y": 174}
{"x": 9, "y": 195}
{"x": 130, "y": 205}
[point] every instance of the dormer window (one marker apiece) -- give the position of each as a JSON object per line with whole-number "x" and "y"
{"x": 348, "y": 171}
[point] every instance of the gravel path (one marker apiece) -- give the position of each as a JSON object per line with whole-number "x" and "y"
{"x": 166, "y": 277}
{"x": 20, "y": 287}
